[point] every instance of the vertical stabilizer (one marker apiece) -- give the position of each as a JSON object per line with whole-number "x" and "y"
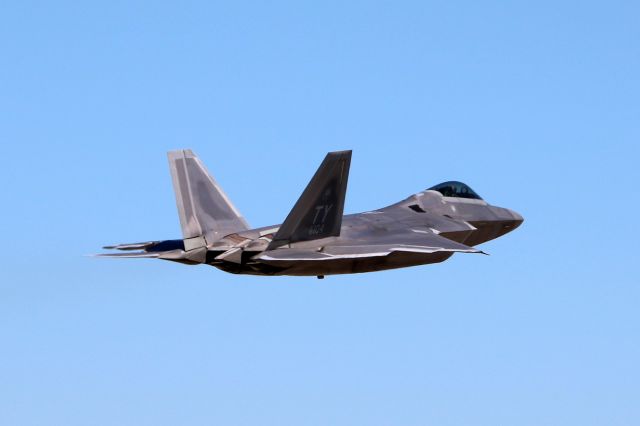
{"x": 318, "y": 212}
{"x": 204, "y": 209}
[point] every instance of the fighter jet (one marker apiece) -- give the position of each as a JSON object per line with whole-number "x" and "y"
{"x": 315, "y": 239}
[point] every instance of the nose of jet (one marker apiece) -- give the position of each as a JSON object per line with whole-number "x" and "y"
{"x": 516, "y": 216}
{"x": 509, "y": 220}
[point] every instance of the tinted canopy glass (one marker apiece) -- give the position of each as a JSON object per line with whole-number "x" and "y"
{"x": 456, "y": 189}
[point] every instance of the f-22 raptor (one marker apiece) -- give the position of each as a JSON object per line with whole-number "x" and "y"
{"x": 316, "y": 239}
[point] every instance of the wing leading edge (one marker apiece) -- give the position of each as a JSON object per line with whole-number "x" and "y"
{"x": 410, "y": 242}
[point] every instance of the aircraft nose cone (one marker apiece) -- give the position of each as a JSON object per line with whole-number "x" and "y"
{"x": 509, "y": 220}
{"x": 517, "y": 217}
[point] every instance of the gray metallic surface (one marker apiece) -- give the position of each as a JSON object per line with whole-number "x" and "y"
{"x": 315, "y": 238}
{"x": 204, "y": 209}
{"x": 318, "y": 211}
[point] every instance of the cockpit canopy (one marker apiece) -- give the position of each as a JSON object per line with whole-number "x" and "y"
{"x": 456, "y": 189}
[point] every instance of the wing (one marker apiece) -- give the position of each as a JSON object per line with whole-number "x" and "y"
{"x": 415, "y": 241}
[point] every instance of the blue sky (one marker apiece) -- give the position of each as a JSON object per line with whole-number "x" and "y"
{"x": 533, "y": 104}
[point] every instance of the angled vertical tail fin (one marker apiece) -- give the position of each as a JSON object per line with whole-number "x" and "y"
{"x": 318, "y": 212}
{"x": 204, "y": 209}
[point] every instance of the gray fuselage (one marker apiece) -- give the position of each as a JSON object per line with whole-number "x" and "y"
{"x": 467, "y": 221}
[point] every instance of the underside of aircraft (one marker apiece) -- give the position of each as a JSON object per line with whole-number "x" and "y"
{"x": 316, "y": 239}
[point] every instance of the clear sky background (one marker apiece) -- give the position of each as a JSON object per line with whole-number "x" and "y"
{"x": 535, "y": 104}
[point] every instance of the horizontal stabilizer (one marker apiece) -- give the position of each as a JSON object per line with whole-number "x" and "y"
{"x": 131, "y": 246}
{"x": 190, "y": 257}
{"x": 149, "y": 246}
{"x": 166, "y": 249}
{"x": 131, "y": 255}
